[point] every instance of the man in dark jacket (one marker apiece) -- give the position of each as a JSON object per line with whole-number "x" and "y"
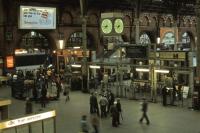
{"x": 111, "y": 99}
{"x": 144, "y": 110}
{"x": 43, "y": 98}
{"x": 119, "y": 110}
{"x": 94, "y": 104}
{"x": 114, "y": 114}
{"x": 29, "y": 106}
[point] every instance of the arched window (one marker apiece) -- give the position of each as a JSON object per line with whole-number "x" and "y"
{"x": 144, "y": 39}
{"x": 185, "y": 41}
{"x": 168, "y": 41}
{"x": 34, "y": 40}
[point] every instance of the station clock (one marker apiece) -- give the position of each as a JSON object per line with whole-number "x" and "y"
{"x": 112, "y": 24}
{"x": 106, "y": 26}
{"x": 118, "y": 25}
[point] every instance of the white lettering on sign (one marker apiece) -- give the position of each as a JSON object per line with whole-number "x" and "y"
{"x": 28, "y": 119}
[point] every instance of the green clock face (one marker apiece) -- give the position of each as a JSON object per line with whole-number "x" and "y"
{"x": 106, "y": 26}
{"x": 118, "y": 26}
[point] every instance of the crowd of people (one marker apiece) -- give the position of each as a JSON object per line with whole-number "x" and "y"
{"x": 48, "y": 86}
{"x": 109, "y": 107}
{"x": 40, "y": 85}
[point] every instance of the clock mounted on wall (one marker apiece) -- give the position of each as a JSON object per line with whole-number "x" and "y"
{"x": 106, "y": 26}
{"x": 118, "y": 25}
{"x": 112, "y": 23}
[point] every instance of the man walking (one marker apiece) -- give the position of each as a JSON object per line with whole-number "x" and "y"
{"x": 94, "y": 104}
{"x": 103, "y": 104}
{"x": 144, "y": 110}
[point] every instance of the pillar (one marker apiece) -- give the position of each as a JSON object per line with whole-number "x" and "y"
{"x": 137, "y": 23}
{"x": 198, "y": 37}
{"x": 191, "y": 72}
{"x": 84, "y": 44}
{"x": 1, "y": 24}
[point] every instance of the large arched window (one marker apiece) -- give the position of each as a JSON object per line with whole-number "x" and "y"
{"x": 168, "y": 41}
{"x": 185, "y": 41}
{"x": 144, "y": 39}
{"x": 34, "y": 40}
{"x": 75, "y": 39}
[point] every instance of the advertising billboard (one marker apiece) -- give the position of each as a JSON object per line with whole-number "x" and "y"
{"x": 32, "y": 17}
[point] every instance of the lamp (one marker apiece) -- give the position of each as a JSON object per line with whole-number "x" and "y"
{"x": 158, "y": 40}
{"x": 61, "y": 44}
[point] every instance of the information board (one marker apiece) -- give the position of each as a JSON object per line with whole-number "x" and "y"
{"x": 169, "y": 55}
{"x": 136, "y": 52}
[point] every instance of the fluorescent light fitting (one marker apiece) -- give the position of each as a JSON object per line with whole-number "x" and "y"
{"x": 142, "y": 70}
{"x": 76, "y": 47}
{"x": 94, "y": 66}
{"x": 75, "y": 65}
{"x": 162, "y": 71}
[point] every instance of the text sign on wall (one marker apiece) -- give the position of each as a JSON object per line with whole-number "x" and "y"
{"x": 32, "y": 17}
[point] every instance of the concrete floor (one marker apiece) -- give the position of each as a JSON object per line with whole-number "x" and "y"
{"x": 163, "y": 119}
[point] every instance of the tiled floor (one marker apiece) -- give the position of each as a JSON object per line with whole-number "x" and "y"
{"x": 163, "y": 119}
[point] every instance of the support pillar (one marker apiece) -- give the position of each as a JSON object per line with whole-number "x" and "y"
{"x": 198, "y": 37}
{"x": 191, "y": 72}
{"x": 137, "y": 31}
{"x": 137, "y": 22}
{"x": 84, "y": 45}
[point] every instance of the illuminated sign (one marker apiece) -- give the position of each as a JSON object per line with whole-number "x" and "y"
{"x": 9, "y": 62}
{"x": 26, "y": 120}
{"x": 169, "y": 55}
{"x": 32, "y": 17}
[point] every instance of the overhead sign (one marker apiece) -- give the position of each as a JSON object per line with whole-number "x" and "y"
{"x": 136, "y": 52}
{"x": 32, "y": 17}
{"x": 169, "y": 55}
{"x": 26, "y": 120}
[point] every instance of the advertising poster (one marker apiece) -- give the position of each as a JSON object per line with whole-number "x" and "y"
{"x": 168, "y": 36}
{"x": 32, "y": 17}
